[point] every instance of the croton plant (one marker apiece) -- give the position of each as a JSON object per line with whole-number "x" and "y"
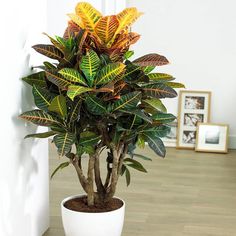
{"x": 94, "y": 98}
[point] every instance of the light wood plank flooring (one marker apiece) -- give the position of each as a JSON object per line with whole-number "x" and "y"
{"x": 185, "y": 194}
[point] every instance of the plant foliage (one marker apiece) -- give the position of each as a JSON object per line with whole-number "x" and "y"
{"x": 92, "y": 96}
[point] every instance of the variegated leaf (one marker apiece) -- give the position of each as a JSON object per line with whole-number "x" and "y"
{"x": 155, "y": 104}
{"x": 95, "y": 105}
{"x": 42, "y": 97}
{"x": 88, "y": 15}
{"x": 49, "y": 51}
{"x": 57, "y": 79}
{"x": 75, "y": 90}
{"x": 77, "y": 20}
{"x": 36, "y": 78}
{"x": 109, "y": 73}
{"x": 155, "y": 144}
{"x": 159, "y": 90}
{"x": 64, "y": 143}
{"x": 151, "y": 59}
{"x": 126, "y": 18}
{"x": 89, "y": 138}
{"x": 39, "y": 117}
{"x": 89, "y": 65}
{"x": 160, "y": 77}
{"x": 128, "y": 101}
{"x": 139, "y": 113}
{"x": 72, "y": 75}
{"x": 106, "y": 28}
{"x": 75, "y": 112}
{"x": 58, "y": 105}
{"x": 175, "y": 85}
{"x": 163, "y": 118}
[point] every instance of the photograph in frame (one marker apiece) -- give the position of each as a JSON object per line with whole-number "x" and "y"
{"x": 212, "y": 137}
{"x": 194, "y": 108}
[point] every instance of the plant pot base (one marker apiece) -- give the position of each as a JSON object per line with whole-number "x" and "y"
{"x": 94, "y": 223}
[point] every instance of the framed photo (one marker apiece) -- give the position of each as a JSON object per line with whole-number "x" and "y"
{"x": 170, "y": 139}
{"x": 212, "y": 138}
{"x": 194, "y": 107}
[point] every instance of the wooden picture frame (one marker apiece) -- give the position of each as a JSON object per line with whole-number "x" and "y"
{"x": 194, "y": 107}
{"x": 212, "y": 138}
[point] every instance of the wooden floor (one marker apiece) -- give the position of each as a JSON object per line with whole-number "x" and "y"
{"x": 185, "y": 194}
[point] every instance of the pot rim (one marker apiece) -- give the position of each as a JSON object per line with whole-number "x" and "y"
{"x": 87, "y": 213}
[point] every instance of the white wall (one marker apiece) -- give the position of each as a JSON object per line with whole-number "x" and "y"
{"x": 57, "y": 19}
{"x": 199, "y": 38}
{"x": 24, "y": 200}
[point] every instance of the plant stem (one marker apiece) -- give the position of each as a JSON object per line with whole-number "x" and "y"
{"x": 90, "y": 180}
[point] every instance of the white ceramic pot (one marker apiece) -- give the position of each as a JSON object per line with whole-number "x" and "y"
{"x": 92, "y": 224}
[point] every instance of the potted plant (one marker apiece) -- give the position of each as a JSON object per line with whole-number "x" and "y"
{"x": 95, "y": 99}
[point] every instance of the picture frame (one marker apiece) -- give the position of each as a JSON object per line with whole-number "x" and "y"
{"x": 212, "y": 138}
{"x": 170, "y": 139}
{"x": 194, "y": 107}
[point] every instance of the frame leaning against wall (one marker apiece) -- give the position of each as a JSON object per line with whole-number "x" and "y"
{"x": 194, "y": 107}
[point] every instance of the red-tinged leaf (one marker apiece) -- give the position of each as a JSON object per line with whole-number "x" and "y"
{"x": 159, "y": 91}
{"x": 152, "y": 59}
{"x": 49, "y": 51}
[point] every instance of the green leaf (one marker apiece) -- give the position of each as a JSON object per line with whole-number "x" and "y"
{"x": 57, "y": 79}
{"x": 75, "y": 90}
{"x": 141, "y": 141}
{"x": 158, "y": 131}
{"x": 142, "y": 157}
{"x": 175, "y": 85}
{"x": 49, "y": 51}
{"x": 64, "y": 143}
{"x": 95, "y": 105}
{"x": 89, "y": 65}
{"x": 109, "y": 73}
{"x": 155, "y": 144}
{"x": 160, "y": 77}
{"x": 72, "y": 75}
{"x": 151, "y": 59}
{"x": 36, "y": 79}
{"x": 41, "y": 135}
{"x": 134, "y": 164}
{"x": 128, "y": 54}
{"x": 138, "y": 113}
{"x": 155, "y": 104}
{"x": 39, "y": 117}
{"x": 159, "y": 90}
{"x": 75, "y": 112}
{"x": 88, "y": 138}
{"x": 127, "y": 176}
{"x": 60, "y": 167}
{"x": 148, "y": 69}
{"x": 49, "y": 66}
{"x": 163, "y": 118}
{"x": 42, "y": 97}
{"x": 58, "y": 105}
{"x": 128, "y": 101}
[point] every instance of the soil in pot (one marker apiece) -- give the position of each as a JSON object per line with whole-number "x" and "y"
{"x": 80, "y": 205}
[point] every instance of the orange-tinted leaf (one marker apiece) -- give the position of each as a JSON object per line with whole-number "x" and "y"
{"x": 151, "y": 59}
{"x": 106, "y": 28}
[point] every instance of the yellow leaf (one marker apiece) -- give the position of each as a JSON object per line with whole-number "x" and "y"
{"x": 88, "y": 15}
{"x": 76, "y": 20}
{"x": 106, "y": 28}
